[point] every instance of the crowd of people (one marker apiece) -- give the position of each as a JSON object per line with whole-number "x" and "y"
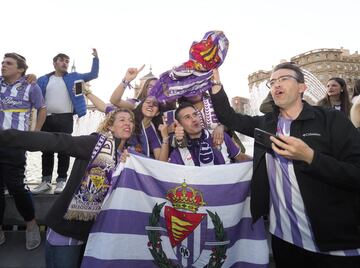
{"x": 307, "y": 184}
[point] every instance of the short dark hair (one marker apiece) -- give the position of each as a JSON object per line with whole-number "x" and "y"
{"x": 291, "y": 66}
{"x": 182, "y": 106}
{"x": 20, "y": 61}
{"x": 60, "y": 56}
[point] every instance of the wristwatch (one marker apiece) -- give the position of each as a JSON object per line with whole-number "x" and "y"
{"x": 214, "y": 83}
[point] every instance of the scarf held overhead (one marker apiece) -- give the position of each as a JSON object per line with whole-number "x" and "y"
{"x": 194, "y": 76}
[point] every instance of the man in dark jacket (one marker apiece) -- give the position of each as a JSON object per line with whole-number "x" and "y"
{"x": 308, "y": 182}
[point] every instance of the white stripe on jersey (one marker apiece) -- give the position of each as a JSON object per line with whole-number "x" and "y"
{"x": 299, "y": 210}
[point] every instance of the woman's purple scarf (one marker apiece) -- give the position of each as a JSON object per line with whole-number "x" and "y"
{"x": 87, "y": 200}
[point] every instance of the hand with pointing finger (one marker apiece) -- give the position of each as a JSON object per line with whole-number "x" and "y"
{"x": 131, "y": 73}
{"x": 163, "y": 128}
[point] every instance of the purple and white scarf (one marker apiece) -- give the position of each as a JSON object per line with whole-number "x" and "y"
{"x": 194, "y": 76}
{"x": 87, "y": 200}
{"x": 207, "y": 115}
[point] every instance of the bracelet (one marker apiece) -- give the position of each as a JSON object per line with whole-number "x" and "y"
{"x": 125, "y": 83}
{"x": 165, "y": 140}
{"x": 180, "y": 143}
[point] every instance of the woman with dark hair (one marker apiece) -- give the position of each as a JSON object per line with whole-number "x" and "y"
{"x": 146, "y": 88}
{"x": 149, "y": 127}
{"x": 337, "y": 96}
{"x": 72, "y": 215}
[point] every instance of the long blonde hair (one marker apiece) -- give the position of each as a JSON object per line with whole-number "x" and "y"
{"x": 109, "y": 120}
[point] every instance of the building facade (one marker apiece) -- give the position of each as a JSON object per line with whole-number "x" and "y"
{"x": 323, "y": 63}
{"x": 240, "y": 104}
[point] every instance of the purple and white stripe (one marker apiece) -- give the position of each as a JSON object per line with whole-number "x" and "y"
{"x": 16, "y": 102}
{"x": 56, "y": 239}
{"x": 288, "y": 218}
{"x": 118, "y": 237}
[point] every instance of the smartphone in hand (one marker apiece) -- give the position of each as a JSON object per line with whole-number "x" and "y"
{"x": 169, "y": 117}
{"x": 263, "y": 137}
{"x": 79, "y": 84}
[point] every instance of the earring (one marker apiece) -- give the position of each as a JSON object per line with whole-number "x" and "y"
{"x": 341, "y": 90}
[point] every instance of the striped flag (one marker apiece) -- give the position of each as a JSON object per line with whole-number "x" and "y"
{"x": 163, "y": 215}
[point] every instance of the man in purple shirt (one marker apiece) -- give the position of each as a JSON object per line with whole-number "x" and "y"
{"x": 17, "y": 98}
{"x": 195, "y": 146}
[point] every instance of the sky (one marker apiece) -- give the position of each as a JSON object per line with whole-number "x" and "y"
{"x": 159, "y": 34}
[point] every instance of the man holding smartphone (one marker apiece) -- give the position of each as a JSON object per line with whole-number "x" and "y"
{"x": 62, "y": 103}
{"x": 308, "y": 183}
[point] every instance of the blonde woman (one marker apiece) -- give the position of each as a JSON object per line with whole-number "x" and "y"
{"x": 74, "y": 211}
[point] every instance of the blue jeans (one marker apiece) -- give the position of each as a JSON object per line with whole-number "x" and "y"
{"x": 63, "y": 256}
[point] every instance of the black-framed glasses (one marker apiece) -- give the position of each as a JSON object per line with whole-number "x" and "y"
{"x": 280, "y": 79}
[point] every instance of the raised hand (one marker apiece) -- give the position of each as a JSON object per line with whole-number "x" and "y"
{"x": 31, "y": 78}
{"x": 163, "y": 128}
{"x": 125, "y": 154}
{"x": 216, "y": 82}
{"x": 216, "y": 75}
{"x": 94, "y": 53}
{"x": 179, "y": 131}
{"x": 131, "y": 73}
{"x": 218, "y": 135}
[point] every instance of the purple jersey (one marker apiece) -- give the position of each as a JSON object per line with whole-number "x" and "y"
{"x": 147, "y": 141}
{"x": 16, "y": 102}
{"x": 288, "y": 215}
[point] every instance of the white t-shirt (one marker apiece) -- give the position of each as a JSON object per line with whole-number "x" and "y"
{"x": 57, "y": 98}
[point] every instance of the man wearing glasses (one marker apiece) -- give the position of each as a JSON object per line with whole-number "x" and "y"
{"x": 307, "y": 181}
{"x": 17, "y": 98}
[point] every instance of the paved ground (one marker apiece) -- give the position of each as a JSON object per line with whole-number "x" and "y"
{"x": 13, "y": 253}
